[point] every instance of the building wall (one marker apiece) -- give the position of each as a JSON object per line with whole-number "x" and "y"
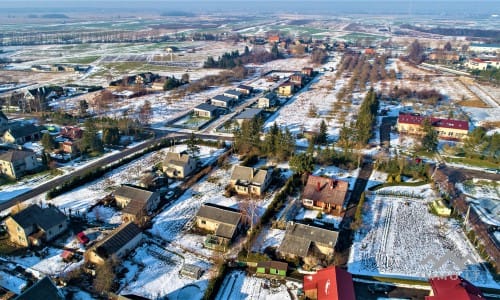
{"x": 202, "y": 113}
{"x": 206, "y": 224}
{"x": 452, "y": 133}
{"x": 17, "y": 234}
{"x": 8, "y": 169}
{"x": 122, "y": 201}
{"x": 263, "y": 103}
{"x": 8, "y": 138}
{"x": 55, "y": 231}
{"x": 285, "y": 90}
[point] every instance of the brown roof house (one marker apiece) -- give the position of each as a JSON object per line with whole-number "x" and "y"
{"x": 222, "y": 222}
{"x": 119, "y": 243}
{"x": 136, "y": 203}
{"x": 33, "y": 225}
{"x": 246, "y": 180}
{"x": 179, "y": 165}
{"x": 327, "y": 194}
{"x": 303, "y": 240}
{"x": 43, "y": 289}
{"x": 15, "y": 163}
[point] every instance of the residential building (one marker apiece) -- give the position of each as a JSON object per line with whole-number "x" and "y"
{"x": 272, "y": 269}
{"x": 21, "y": 132}
{"x": 235, "y": 94}
{"x": 244, "y": 89}
{"x": 179, "y": 165}
{"x": 15, "y": 163}
{"x": 43, "y": 289}
{"x": 34, "y": 225}
{"x": 453, "y": 287}
{"x": 248, "y": 114}
{"x": 206, "y": 110}
{"x": 68, "y": 147}
{"x": 119, "y": 243}
{"x": 191, "y": 271}
{"x": 267, "y": 100}
{"x": 304, "y": 240}
{"x": 297, "y": 79}
{"x": 286, "y": 88}
{"x": 442, "y": 55}
{"x": 223, "y": 224}
{"x": 449, "y": 129}
{"x": 307, "y": 71}
{"x": 485, "y": 48}
{"x": 222, "y": 101}
{"x": 136, "y": 203}
{"x": 71, "y": 132}
{"x": 246, "y": 180}
{"x": 332, "y": 283}
{"x": 273, "y": 39}
{"x": 326, "y": 194}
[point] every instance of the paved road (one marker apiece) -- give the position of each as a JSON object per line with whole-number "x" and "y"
{"x": 462, "y": 174}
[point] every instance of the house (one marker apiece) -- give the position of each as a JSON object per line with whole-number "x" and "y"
{"x": 158, "y": 85}
{"x": 482, "y": 64}
{"x": 34, "y": 225}
{"x": 191, "y": 271}
{"x": 297, "y": 79}
{"x": 286, "y": 88}
{"x": 326, "y": 194}
{"x": 71, "y": 132}
{"x": 449, "y": 129}
{"x": 332, "y": 283}
{"x": 136, "y": 203}
{"x": 303, "y": 240}
{"x": 235, "y": 94}
{"x": 442, "y": 55}
{"x": 206, "y": 110}
{"x": 453, "y": 287}
{"x": 267, "y": 100}
{"x": 273, "y": 39}
{"x": 244, "y": 89}
{"x": 307, "y": 71}
{"x": 119, "y": 243}
{"x": 15, "y": 163}
{"x": 246, "y": 180}
{"x": 222, "y": 101}
{"x": 272, "y": 268}
{"x": 42, "y": 289}
{"x": 222, "y": 222}
{"x": 68, "y": 147}
{"x": 179, "y": 165}
{"x": 370, "y": 51}
{"x": 21, "y": 132}
{"x": 248, "y": 114}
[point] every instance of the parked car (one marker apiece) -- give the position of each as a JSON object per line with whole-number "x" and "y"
{"x": 82, "y": 238}
{"x": 169, "y": 195}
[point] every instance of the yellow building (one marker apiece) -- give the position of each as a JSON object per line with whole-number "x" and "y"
{"x": 286, "y": 89}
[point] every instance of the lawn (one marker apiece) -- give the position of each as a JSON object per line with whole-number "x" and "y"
{"x": 472, "y": 162}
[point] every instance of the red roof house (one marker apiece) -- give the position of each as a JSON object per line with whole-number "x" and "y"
{"x": 331, "y": 283}
{"x": 453, "y": 287}
{"x": 446, "y": 128}
{"x": 325, "y": 193}
{"x": 273, "y": 39}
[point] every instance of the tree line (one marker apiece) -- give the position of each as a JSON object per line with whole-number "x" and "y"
{"x": 233, "y": 59}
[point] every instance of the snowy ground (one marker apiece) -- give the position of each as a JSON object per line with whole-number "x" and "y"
{"x": 268, "y": 238}
{"x": 484, "y": 196}
{"x": 400, "y": 238}
{"x": 238, "y": 286}
{"x": 12, "y": 283}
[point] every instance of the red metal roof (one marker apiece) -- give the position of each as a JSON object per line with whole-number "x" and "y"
{"x": 453, "y": 287}
{"x": 331, "y": 283}
{"x": 417, "y": 119}
{"x": 326, "y": 190}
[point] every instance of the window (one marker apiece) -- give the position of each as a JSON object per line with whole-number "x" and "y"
{"x": 60, "y": 226}
{"x": 203, "y": 222}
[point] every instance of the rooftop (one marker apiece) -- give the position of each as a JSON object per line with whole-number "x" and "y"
{"x": 331, "y": 283}
{"x": 326, "y": 190}
{"x": 117, "y": 239}
{"x": 44, "y": 218}
{"x": 417, "y": 119}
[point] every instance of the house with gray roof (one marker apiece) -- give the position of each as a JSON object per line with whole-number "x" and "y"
{"x": 179, "y": 165}
{"x": 119, "y": 243}
{"x": 43, "y": 289}
{"x": 235, "y": 94}
{"x": 222, "y": 101}
{"x": 223, "y": 223}
{"x": 21, "y": 132}
{"x": 34, "y": 225}
{"x": 206, "y": 110}
{"x": 15, "y": 163}
{"x": 250, "y": 181}
{"x": 267, "y": 100}
{"x": 248, "y": 114}
{"x": 244, "y": 89}
{"x": 304, "y": 240}
{"x": 136, "y": 203}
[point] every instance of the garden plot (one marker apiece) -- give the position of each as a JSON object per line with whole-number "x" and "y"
{"x": 400, "y": 238}
{"x": 153, "y": 272}
{"x": 237, "y": 286}
{"x": 269, "y": 237}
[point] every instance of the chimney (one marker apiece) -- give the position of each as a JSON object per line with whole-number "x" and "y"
{"x": 318, "y": 187}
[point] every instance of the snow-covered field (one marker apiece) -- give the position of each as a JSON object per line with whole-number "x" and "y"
{"x": 401, "y": 238}
{"x": 237, "y": 286}
{"x": 484, "y": 197}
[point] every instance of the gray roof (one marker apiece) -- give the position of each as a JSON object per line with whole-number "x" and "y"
{"x": 221, "y": 214}
{"x": 134, "y": 193}
{"x": 245, "y": 87}
{"x": 15, "y": 155}
{"x": 234, "y": 93}
{"x": 34, "y": 215}
{"x": 269, "y": 96}
{"x": 44, "y": 289}
{"x": 206, "y": 107}
{"x": 178, "y": 159}
{"x": 298, "y": 239}
{"x": 22, "y": 129}
{"x": 116, "y": 240}
{"x": 249, "y": 113}
{"x": 225, "y": 231}
{"x": 249, "y": 174}
{"x": 223, "y": 98}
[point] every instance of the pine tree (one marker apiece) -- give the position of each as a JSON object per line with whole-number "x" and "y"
{"x": 47, "y": 142}
{"x": 430, "y": 138}
{"x": 323, "y": 133}
{"x": 192, "y": 146}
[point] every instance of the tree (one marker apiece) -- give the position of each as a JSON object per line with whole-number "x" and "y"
{"x": 302, "y": 163}
{"x": 430, "y": 138}
{"x": 247, "y": 51}
{"x": 416, "y": 52}
{"x": 322, "y": 137}
{"x": 192, "y": 146}
{"x": 145, "y": 113}
{"x": 111, "y": 136}
{"x": 105, "y": 277}
{"x": 185, "y": 78}
{"x": 90, "y": 140}
{"x": 83, "y": 107}
{"x": 447, "y": 46}
{"x": 47, "y": 142}
{"x": 171, "y": 83}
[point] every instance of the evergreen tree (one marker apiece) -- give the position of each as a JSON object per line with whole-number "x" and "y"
{"x": 323, "y": 133}
{"x": 430, "y": 138}
{"x": 47, "y": 142}
{"x": 192, "y": 146}
{"x": 111, "y": 136}
{"x": 302, "y": 163}
{"x": 90, "y": 140}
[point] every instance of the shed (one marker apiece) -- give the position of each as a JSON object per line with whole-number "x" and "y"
{"x": 191, "y": 271}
